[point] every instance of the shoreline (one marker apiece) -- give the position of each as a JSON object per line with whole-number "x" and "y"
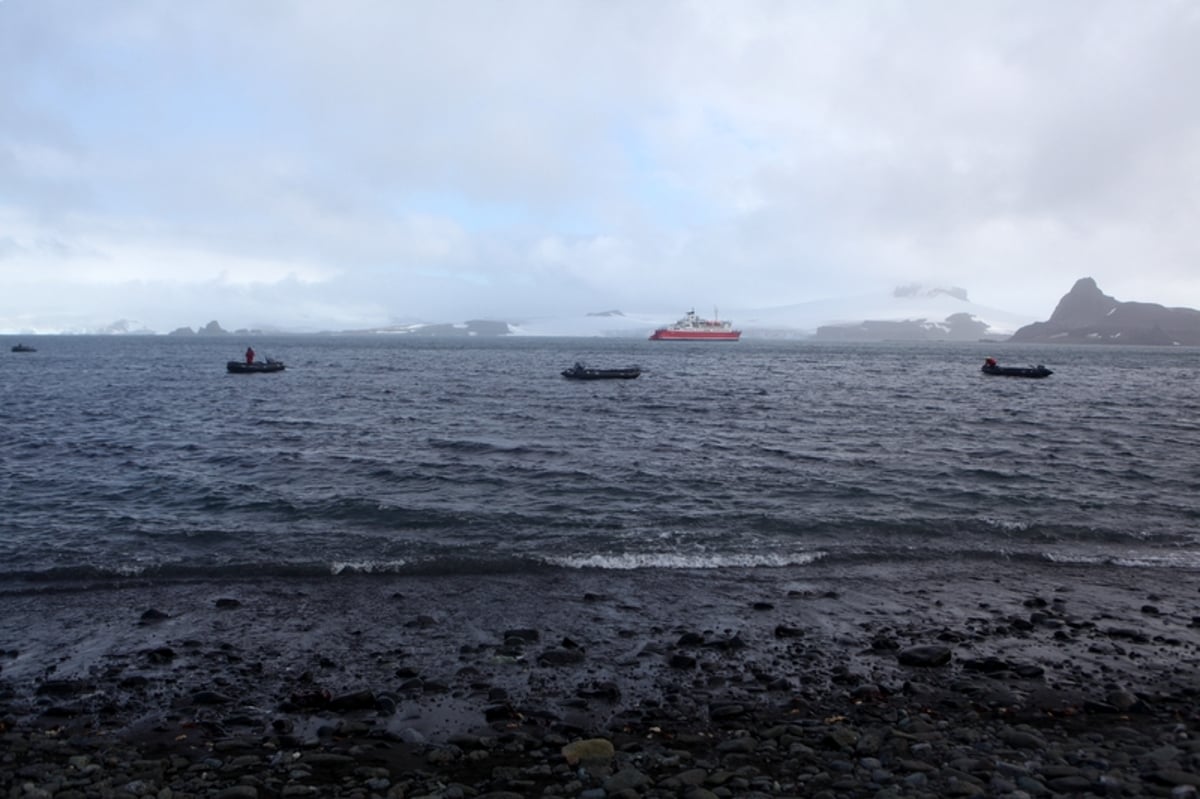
{"x": 922, "y": 680}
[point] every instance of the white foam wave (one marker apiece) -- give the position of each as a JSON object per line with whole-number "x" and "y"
{"x": 1175, "y": 560}
{"x": 367, "y": 566}
{"x": 672, "y": 560}
{"x": 129, "y": 569}
{"x": 1007, "y": 525}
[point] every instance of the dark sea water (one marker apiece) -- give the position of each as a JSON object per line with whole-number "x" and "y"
{"x": 131, "y": 457}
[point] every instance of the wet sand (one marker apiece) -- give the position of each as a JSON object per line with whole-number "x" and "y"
{"x": 926, "y": 680}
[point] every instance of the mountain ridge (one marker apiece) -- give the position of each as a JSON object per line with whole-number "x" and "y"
{"x": 909, "y": 312}
{"x": 1086, "y": 315}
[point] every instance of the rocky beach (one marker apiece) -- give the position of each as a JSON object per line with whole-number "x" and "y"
{"x": 934, "y": 680}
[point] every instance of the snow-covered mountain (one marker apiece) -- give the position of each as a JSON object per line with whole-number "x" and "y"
{"x": 607, "y": 323}
{"x": 904, "y": 304}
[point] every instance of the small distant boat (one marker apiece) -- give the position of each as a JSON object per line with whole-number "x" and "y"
{"x": 581, "y": 372}
{"x": 990, "y": 367}
{"x": 243, "y": 368}
{"x": 23, "y": 348}
{"x": 695, "y": 328}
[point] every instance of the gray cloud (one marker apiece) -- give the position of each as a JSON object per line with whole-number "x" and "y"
{"x": 374, "y": 161}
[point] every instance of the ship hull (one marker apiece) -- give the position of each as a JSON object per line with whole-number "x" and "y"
{"x": 693, "y": 328}
{"x": 695, "y": 335}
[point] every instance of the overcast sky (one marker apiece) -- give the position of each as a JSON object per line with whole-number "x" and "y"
{"x": 342, "y": 163}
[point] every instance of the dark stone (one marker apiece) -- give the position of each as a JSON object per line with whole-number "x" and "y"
{"x": 466, "y": 741}
{"x": 63, "y": 687}
{"x": 925, "y": 656}
{"x": 524, "y": 634}
{"x": 867, "y": 692}
{"x": 725, "y": 712}
{"x": 355, "y": 700}
{"x": 1127, "y": 634}
{"x": 1022, "y": 739}
{"x": 210, "y": 698}
{"x": 328, "y": 760}
{"x": 733, "y": 642}
{"x": 783, "y": 631}
{"x": 161, "y": 654}
{"x": 681, "y": 661}
{"x": 843, "y": 676}
{"x": 606, "y": 690}
{"x": 312, "y": 699}
{"x": 560, "y": 657}
{"x": 225, "y": 603}
{"x": 242, "y": 721}
{"x": 153, "y": 615}
{"x": 501, "y": 712}
{"x": 1071, "y": 784}
{"x": 1172, "y": 777}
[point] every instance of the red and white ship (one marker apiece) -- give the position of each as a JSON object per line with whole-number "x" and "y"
{"x": 694, "y": 328}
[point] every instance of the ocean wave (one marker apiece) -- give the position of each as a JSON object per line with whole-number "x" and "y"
{"x": 675, "y": 560}
{"x": 368, "y": 567}
{"x": 93, "y": 576}
{"x": 1142, "y": 560}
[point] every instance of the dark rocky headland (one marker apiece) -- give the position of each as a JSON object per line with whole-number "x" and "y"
{"x": 926, "y": 681}
{"x": 1086, "y": 315}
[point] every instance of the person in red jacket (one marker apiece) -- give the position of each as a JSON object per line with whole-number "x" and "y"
{"x": 249, "y": 355}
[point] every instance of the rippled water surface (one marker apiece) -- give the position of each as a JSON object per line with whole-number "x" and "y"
{"x": 123, "y": 455}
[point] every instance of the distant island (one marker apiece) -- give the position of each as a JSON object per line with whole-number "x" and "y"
{"x": 472, "y": 327}
{"x": 956, "y": 327}
{"x": 908, "y": 313}
{"x": 964, "y": 325}
{"x": 1086, "y": 315}
{"x": 213, "y": 328}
